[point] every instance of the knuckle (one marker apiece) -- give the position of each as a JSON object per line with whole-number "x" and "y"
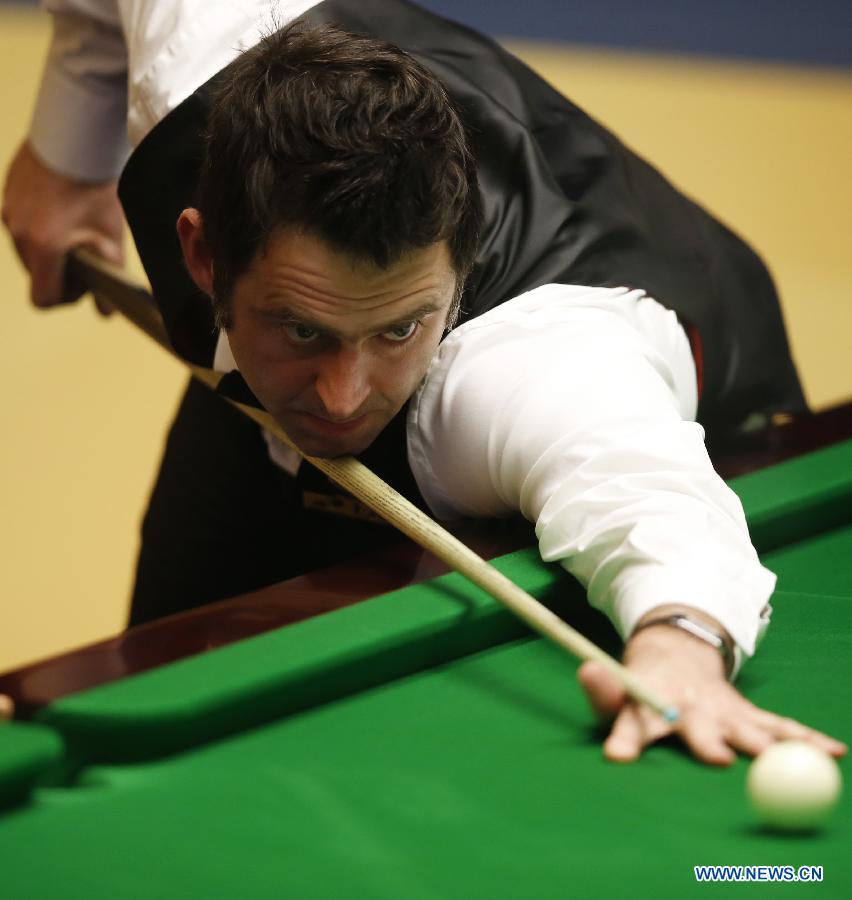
{"x": 43, "y": 244}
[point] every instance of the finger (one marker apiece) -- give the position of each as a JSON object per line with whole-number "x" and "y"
{"x": 634, "y": 729}
{"x": 749, "y": 737}
{"x": 785, "y": 729}
{"x": 70, "y": 288}
{"x": 605, "y": 693}
{"x": 705, "y": 738}
{"x": 624, "y": 743}
{"x": 21, "y": 249}
{"x": 46, "y": 266}
{"x": 107, "y": 249}
{"x": 43, "y": 258}
{"x": 103, "y": 306}
{"x": 103, "y": 245}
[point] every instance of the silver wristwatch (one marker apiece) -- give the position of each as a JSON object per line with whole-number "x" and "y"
{"x": 703, "y": 632}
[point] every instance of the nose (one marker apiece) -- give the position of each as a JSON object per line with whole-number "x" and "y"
{"x": 342, "y": 383}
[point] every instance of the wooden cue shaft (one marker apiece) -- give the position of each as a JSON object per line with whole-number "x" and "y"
{"x": 135, "y": 303}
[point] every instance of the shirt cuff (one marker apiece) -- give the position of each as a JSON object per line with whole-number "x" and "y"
{"x": 740, "y": 606}
{"x": 79, "y": 129}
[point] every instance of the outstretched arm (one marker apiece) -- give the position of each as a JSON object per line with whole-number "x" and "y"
{"x": 576, "y": 406}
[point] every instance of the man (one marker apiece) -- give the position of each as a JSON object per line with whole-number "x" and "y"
{"x": 342, "y": 212}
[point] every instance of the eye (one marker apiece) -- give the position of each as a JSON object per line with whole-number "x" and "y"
{"x": 300, "y": 334}
{"x": 401, "y": 332}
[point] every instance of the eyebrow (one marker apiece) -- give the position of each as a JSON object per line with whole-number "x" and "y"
{"x": 285, "y": 315}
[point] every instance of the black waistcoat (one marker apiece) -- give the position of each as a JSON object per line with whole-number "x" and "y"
{"x": 564, "y": 201}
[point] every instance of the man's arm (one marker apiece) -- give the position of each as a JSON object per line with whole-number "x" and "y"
{"x": 79, "y": 124}
{"x": 716, "y": 719}
{"x": 60, "y": 188}
{"x": 574, "y": 406}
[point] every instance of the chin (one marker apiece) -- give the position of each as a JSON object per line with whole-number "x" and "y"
{"x": 330, "y": 447}
{"x": 332, "y": 450}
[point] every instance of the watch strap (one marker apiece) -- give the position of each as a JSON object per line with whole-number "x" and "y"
{"x": 703, "y": 632}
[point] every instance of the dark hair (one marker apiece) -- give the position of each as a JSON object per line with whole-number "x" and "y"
{"x": 345, "y": 137}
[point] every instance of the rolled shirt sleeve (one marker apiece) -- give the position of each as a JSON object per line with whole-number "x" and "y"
{"x": 79, "y": 125}
{"x": 576, "y": 406}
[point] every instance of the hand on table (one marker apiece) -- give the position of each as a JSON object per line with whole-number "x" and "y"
{"x": 715, "y": 722}
{"x": 48, "y": 214}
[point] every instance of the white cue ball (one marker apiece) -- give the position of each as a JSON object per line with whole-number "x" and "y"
{"x": 793, "y": 785}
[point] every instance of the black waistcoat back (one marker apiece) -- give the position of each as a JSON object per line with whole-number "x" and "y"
{"x": 564, "y": 201}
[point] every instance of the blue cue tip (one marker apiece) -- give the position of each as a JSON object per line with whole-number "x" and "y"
{"x": 671, "y": 715}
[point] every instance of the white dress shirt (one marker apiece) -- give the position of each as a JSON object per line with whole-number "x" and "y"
{"x": 116, "y": 67}
{"x": 574, "y": 405}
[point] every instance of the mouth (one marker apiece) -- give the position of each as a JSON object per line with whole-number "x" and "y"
{"x": 328, "y": 428}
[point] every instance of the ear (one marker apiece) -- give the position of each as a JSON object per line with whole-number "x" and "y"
{"x": 196, "y": 250}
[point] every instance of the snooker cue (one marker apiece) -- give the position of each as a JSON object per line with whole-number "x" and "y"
{"x": 112, "y": 284}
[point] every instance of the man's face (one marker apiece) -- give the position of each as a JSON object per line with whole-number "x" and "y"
{"x": 333, "y": 348}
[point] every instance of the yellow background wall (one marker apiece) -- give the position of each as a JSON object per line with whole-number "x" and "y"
{"x": 86, "y": 401}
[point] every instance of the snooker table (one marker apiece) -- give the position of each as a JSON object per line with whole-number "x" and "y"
{"x": 422, "y": 744}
